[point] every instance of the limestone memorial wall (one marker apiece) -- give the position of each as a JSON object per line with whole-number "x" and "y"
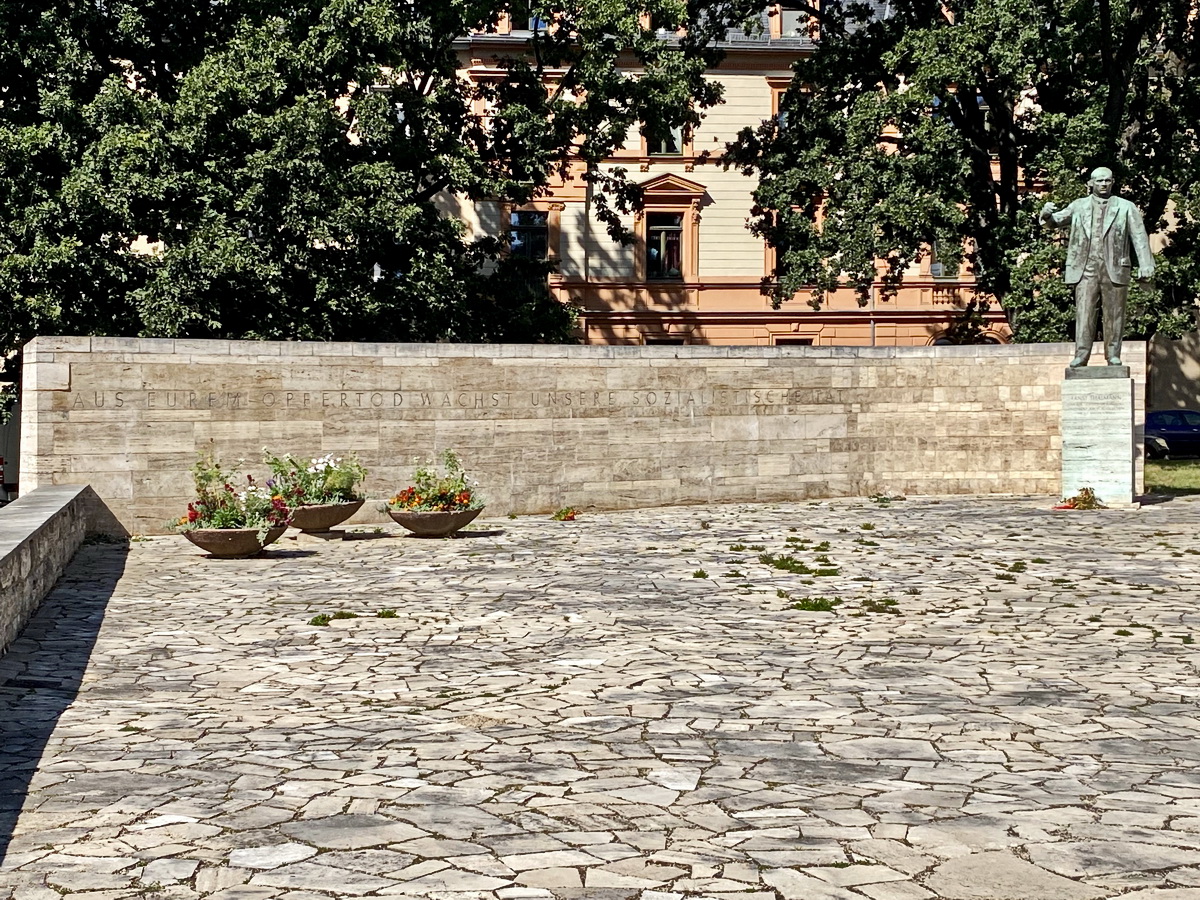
{"x": 542, "y": 427}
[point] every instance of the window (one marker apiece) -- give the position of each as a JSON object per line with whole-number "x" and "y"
{"x": 669, "y": 145}
{"x": 793, "y": 23}
{"x": 525, "y": 19}
{"x": 938, "y": 267}
{"x": 793, "y": 342}
{"x": 664, "y": 246}
{"x": 779, "y": 88}
{"x": 668, "y": 231}
{"x": 529, "y": 234}
{"x": 663, "y": 339}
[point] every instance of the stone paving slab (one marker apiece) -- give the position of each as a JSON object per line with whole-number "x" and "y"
{"x": 970, "y": 699}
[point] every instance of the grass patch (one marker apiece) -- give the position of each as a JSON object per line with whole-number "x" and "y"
{"x": 884, "y": 605}
{"x": 699, "y": 573}
{"x": 815, "y": 604}
{"x": 793, "y": 565}
{"x": 1173, "y": 476}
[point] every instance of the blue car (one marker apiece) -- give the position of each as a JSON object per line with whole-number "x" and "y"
{"x": 1172, "y": 433}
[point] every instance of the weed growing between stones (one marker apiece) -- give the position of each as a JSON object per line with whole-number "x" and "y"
{"x": 326, "y": 618}
{"x": 882, "y": 605}
{"x": 815, "y": 604}
{"x": 737, "y": 548}
{"x": 386, "y": 614}
{"x": 699, "y": 573}
{"x": 795, "y": 566}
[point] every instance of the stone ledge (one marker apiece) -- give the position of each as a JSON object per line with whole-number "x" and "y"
{"x": 39, "y": 533}
{"x": 956, "y": 355}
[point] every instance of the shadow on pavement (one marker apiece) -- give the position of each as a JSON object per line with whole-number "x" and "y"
{"x": 41, "y": 673}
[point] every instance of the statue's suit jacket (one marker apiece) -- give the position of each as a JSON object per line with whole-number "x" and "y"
{"x": 1123, "y": 228}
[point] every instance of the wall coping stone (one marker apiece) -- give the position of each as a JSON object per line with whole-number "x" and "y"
{"x": 22, "y": 518}
{"x": 39, "y": 533}
{"x": 66, "y": 344}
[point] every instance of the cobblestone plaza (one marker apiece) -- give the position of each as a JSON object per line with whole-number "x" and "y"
{"x": 972, "y": 699}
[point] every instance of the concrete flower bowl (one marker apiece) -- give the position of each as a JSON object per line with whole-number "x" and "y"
{"x": 232, "y": 543}
{"x": 322, "y": 517}
{"x": 433, "y": 524}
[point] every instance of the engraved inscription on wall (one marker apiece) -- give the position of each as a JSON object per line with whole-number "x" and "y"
{"x": 764, "y": 399}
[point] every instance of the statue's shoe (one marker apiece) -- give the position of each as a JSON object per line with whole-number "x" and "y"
{"x": 1114, "y": 360}
{"x": 1079, "y": 360}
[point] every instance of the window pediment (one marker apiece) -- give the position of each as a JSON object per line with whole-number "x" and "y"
{"x": 672, "y": 189}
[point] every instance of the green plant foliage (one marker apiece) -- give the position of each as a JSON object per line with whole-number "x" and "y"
{"x": 881, "y": 605}
{"x": 950, "y": 124}
{"x": 284, "y": 161}
{"x": 793, "y": 565}
{"x": 815, "y": 604}
{"x": 328, "y": 479}
{"x": 439, "y": 485}
{"x": 220, "y": 504}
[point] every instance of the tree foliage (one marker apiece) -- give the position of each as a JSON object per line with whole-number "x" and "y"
{"x": 947, "y": 123}
{"x": 279, "y": 164}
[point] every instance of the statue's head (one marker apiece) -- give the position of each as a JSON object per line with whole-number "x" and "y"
{"x": 1101, "y": 182}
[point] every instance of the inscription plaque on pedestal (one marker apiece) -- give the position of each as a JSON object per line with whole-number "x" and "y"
{"x": 1097, "y": 434}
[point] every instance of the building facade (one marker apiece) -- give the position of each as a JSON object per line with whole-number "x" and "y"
{"x": 695, "y": 273}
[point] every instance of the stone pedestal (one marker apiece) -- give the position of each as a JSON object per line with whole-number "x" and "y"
{"x": 1097, "y": 434}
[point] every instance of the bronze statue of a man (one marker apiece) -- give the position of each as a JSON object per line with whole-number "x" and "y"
{"x": 1103, "y": 230}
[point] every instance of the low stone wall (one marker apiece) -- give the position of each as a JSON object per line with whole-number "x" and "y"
{"x": 39, "y": 533}
{"x": 543, "y": 427}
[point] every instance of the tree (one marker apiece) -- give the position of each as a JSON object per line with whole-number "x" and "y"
{"x": 273, "y": 170}
{"x": 948, "y": 124}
